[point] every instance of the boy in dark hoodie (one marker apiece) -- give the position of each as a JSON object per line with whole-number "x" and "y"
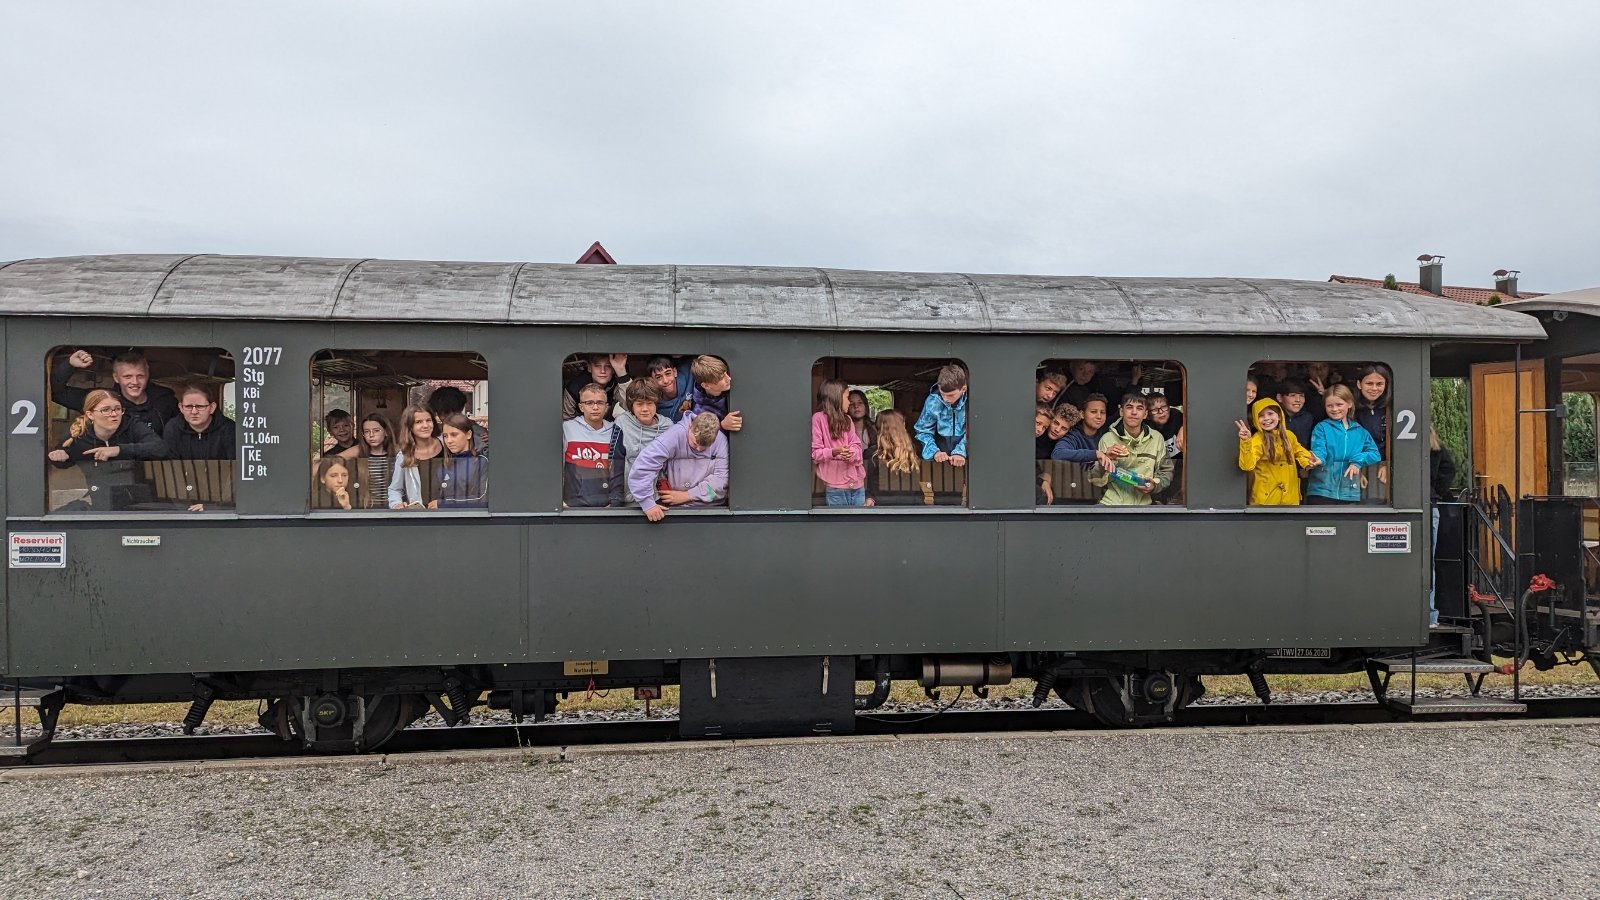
{"x": 1298, "y": 417}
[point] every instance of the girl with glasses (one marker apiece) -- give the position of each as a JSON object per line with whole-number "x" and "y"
{"x": 99, "y": 436}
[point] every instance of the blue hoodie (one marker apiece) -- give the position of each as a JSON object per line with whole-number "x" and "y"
{"x": 1076, "y": 446}
{"x": 1338, "y": 444}
{"x": 942, "y": 425}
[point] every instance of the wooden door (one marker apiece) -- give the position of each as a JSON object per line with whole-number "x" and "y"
{"x": 1494, "y": 418}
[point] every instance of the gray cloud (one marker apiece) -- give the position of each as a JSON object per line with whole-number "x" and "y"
{"x": 1165, "y": 139}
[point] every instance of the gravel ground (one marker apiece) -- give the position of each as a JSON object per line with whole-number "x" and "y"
{"x": 483, "y": 716}
{"x": 1412, "y": 810}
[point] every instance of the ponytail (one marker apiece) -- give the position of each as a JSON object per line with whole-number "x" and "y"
{"x": 81, "y": 423}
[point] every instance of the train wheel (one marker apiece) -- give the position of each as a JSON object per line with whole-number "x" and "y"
{"x": 1132, "y": 700}
{"x": 333, "y": 718}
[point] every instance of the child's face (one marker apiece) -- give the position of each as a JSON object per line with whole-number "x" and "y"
{"x": 342, "y": 430}
{"x": 372, "y": 433}
{"x": 719, "y": 387}
{"x": 1059, "y": 426}
{"x": 336, "y": 479}
{"x": 644, "y": 411}
{"x": 593, "y": 406}
{"x": 950, "y": 397}
{"x": 1249, "y": 392}
{"x": 1269, "y": 419}
{"x": 1160, "y": 410}
{"x": 1046, "y": 391}
{"x": 455, "y": 441}
{"x": 1337, "y": 408}
{"x": 1372, "y": 386}
{"x": 600, "y": 371}
{"x": 855, "y": 407}
{"x": 1041, "y": 421}
{"x": 1292, "y": 403}
{"x": 421, "y": 426}
{"x": 1083, "y": 371}
{"x": 1094, "y": 415}
{"x": 1133, "y": 415}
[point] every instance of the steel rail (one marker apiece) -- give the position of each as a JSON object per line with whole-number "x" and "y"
{"x": 200, "y": 748}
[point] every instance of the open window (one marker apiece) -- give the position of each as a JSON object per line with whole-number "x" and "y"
{"x": 400, "y": 430}
{"x": 908, "y": 417}
{"x": 616, "y": 408}
{"x": 140, "y": 429}
{"x": 1108, "y": 432}
{"x": 1316, "y": 433}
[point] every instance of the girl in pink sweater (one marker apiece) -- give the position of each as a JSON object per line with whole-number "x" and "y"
{"x": 836, "y": 448}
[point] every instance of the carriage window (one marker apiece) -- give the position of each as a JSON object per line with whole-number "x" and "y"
{"x": 399, "y": 430}
{"x": 1108, "y": 432}
{"x": 645, "y": 431}
{"x": 140, "y": 429}
{"x": 1315, "y": 433}
{"x": 888, "y": 432}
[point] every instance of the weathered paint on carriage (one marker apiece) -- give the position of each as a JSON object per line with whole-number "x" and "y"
{"x": 727, "y": 296}
{"x": 274, "y": 586}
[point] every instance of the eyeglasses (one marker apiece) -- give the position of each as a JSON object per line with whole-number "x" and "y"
{"x": 190, "y": 407}
{"x": 108, "y": 410}
{"x": 591, "y": 403}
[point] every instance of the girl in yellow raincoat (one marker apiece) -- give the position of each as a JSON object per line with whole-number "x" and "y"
{"x": 1272, "y": 456}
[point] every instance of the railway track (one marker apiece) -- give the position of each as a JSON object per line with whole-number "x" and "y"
{"x": 484, "y": 737}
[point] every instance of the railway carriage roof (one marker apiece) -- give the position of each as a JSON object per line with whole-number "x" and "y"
{"x": 296, "y": 288}
{"x": 1584, "y": 300}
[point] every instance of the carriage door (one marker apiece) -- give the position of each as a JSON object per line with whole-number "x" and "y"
{"x": 1495, "y": 402}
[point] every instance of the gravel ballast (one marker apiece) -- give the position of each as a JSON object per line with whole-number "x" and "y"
{"x": 1473, "y": 809}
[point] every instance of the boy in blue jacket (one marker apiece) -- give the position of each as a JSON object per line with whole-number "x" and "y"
{"x": 942, "y": 427}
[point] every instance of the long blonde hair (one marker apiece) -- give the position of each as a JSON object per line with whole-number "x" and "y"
{"x": 81, "y": 423}
{"x": 895, "y": 450}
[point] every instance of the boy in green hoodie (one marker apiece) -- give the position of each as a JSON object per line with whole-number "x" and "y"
{"x": 1136, "y": 449}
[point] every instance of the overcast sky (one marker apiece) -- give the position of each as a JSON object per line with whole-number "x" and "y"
{"x": 1267, "y": 139}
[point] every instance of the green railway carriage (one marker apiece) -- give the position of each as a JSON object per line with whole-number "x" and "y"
{"x": 233, "y": 581}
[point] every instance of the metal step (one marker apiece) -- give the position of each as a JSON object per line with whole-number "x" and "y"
{"x": 1432, "y": 665}
{"x": 1450, "y": 629}
{"x": 1455, "y": 706}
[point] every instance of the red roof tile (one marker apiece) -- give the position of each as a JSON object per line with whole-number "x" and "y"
{"x": 1474, "y": 295}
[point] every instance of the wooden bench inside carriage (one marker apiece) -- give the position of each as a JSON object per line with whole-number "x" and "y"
{"x": 929, "y": 484}
{"x": 1069, "y": 482}
{"x": 188, "y": 481}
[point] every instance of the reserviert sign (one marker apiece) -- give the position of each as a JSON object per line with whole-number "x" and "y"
{"x": 1388, "y": 537}
{"x": 38, "y": 550}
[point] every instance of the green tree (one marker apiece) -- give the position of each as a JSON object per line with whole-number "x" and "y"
{"x": 1452, "y": 416}
{"x": 1577, "y": 430}
{"x": 879, "y": 400}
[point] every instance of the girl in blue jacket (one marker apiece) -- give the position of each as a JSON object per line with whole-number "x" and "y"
{"x": 1344, "y": 448}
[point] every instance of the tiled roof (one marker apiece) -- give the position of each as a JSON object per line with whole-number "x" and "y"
{"x": 1474, "y": 295}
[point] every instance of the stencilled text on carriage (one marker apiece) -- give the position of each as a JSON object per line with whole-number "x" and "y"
{"x": 254, "y": 430}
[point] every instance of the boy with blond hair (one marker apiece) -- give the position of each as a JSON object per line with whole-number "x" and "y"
{"x": 710, "y": 393}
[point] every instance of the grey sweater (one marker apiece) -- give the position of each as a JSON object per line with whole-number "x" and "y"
{"x": 635, "y": 437}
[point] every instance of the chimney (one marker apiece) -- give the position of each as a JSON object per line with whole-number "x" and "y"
{"x": 1431, "y": 274}
{"x": 1505, "y": 283}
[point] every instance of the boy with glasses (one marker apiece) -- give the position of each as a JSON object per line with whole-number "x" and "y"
{"x": 592, "y": 453}
{"x": 200, "y": 432}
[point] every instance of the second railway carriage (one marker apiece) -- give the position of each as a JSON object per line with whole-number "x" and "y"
{"x": 233, "y": 580}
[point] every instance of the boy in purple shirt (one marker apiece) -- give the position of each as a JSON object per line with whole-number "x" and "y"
{"x": 692, "y": 460}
